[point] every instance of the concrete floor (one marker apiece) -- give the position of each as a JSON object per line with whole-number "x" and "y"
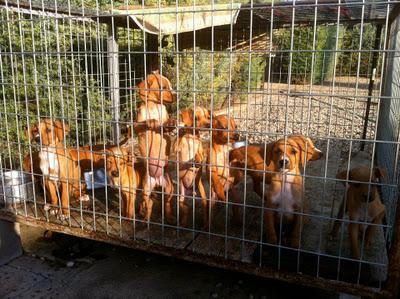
{"x": 67, "y": 267}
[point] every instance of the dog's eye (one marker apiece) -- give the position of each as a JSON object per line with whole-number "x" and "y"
{"x": 48, "y": 130}
{"x": 294, "y": 151}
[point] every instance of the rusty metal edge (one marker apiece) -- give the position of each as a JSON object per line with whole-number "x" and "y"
{"x": 217, "y": 262}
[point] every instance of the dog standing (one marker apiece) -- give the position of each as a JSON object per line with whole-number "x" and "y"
{"x": 224, "y": 132}
{"x": 154, "y": 145}
{"x": 190, "y": 154}
{"x": 126, "y": 175}
{"x": 284, "y": 198}
{"x": 58, "y": 165}
{"x": 362, "y": 203}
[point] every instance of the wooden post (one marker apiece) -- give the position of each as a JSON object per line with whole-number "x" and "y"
{"x": 113, "y": 75}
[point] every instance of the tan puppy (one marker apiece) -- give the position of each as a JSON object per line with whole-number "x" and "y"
{"x": 223, "y": 133}
{"x": 58, "y": 165}
{"x": 190, "y": 154}
{"x": 125, "y": 175}
{"x": 154, "y": 144}
{"x": 363, "y": 204}
{"x": 285, "y": 193}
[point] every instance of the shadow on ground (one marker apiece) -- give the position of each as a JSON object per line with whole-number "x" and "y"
{"x": 69, "y": 267}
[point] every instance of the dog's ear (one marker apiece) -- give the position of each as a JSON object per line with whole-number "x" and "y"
{"x": 380, "y": 172}
{"x": 342, "y": 175}
{"x": 268, "y": 153}
{"x": 187, "y": 117}
{"x": 165, "y": 86}
{"x": 28, "y": 134}
{"x": 60, "y": 128}
{"x": 238, "y": 155}
{"x": 26, "y": 165}
{"x": 215, "y": 123}
{"x": 31, "y": 131}
{"x": 308, "y": 151}
{"x": 143, "y": 89}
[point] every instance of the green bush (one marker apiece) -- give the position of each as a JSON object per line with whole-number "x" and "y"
{"x": 346, "y": 62}
{"x": 38, "y": 81}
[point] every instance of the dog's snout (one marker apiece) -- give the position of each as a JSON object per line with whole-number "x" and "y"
{"x": 284, "y": 163}
{"x": 114, "y": 173}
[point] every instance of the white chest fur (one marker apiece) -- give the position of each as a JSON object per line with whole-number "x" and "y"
{"x": 284, "y": 197}
{"x": 49, "y": 163}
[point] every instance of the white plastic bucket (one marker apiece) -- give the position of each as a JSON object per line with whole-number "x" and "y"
{"x": 15, "y": 186}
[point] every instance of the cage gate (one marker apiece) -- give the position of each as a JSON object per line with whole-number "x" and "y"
{"x": 257, "y": 137}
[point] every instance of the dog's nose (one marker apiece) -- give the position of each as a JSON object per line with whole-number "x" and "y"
{"x": 114, "y": 173}
{"x": 37, "y": 139}
{"x": 284, "y": 163}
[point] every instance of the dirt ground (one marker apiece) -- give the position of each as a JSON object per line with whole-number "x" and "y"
{"x": 68, "y": 267}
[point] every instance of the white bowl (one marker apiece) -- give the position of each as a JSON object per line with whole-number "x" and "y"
{"x": 238, "y": 144}
{"x": 15, "y": 186}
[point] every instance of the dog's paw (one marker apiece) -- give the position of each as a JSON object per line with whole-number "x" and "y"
{"x": 47, "y": 207}
{"x": 53, "y": 211}
{"x": 84, "y": 198}
{"x": 63, "y": 216}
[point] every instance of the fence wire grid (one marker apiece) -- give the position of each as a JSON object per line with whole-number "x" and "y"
{"x": 172, "y": 124}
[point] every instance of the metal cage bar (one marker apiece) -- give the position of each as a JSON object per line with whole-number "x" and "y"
{"x": 225, "y": 133}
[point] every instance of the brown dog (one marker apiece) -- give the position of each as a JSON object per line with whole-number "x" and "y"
{"x": 285, "y": 194}
{"x": 190, "y": 154}
{"x": 362, "y": 203}
{"x": 256, "y": 165}
{"x": 125, "y": 175}
{"x": 58, "y": 165}
{"x": 224, "y": 131}
{"x": 154, "y": 144}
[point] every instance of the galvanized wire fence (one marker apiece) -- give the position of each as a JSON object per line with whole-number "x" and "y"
{"x": 324, "y": 70}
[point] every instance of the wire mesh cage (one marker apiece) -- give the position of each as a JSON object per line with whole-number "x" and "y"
{"x": 261, "y": 137}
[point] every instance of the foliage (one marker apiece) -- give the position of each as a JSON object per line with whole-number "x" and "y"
{"x": 53, "y": 84}
{"x": 324, "y": 59}
{"x": 351, "y": 41}
{"x": 207, "y": 78}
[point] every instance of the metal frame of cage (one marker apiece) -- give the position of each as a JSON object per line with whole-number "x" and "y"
{"x": 99, "y": 72}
